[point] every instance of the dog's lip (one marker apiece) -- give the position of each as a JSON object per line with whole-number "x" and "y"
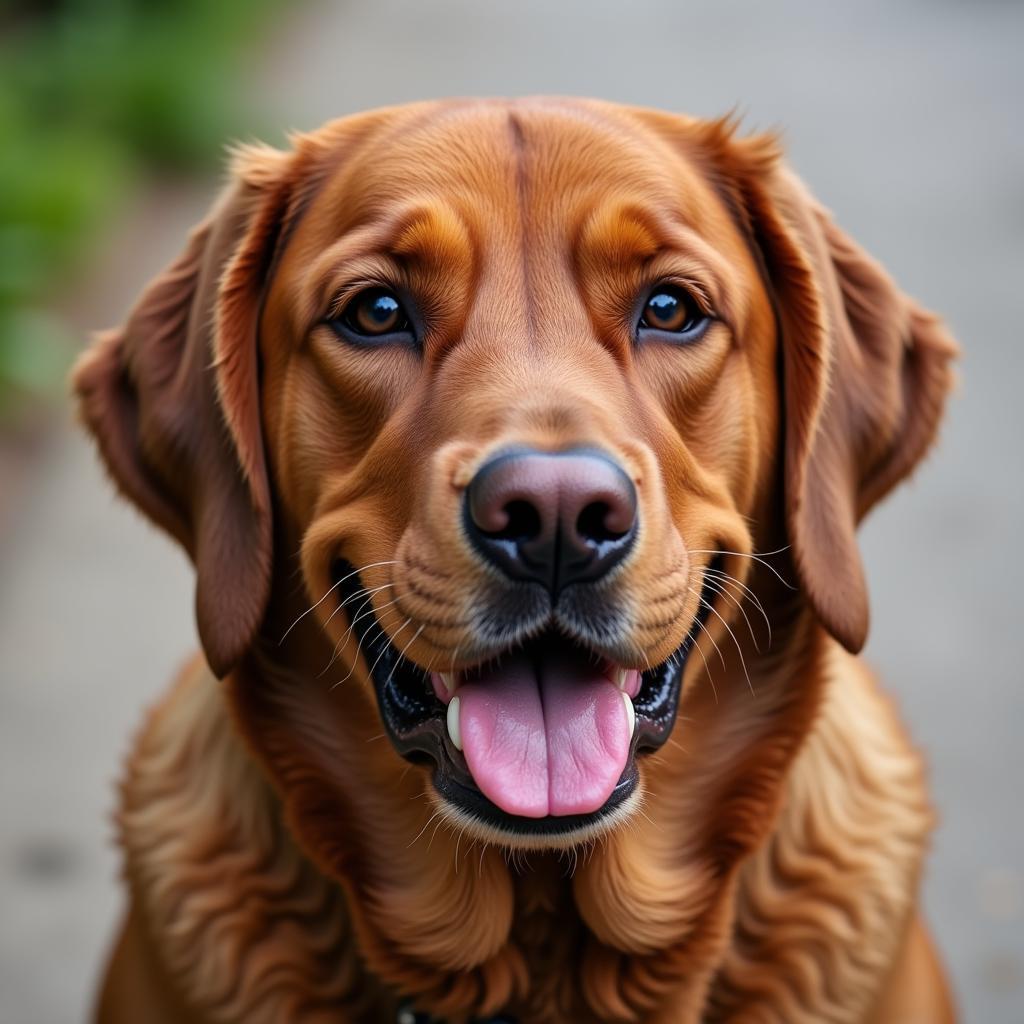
{"x": 415, "y": 721}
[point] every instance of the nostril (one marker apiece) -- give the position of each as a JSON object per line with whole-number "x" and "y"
{"x": 522, "y": 522}
{"x": 554, "y": 518}
{"x": 594, "y": 523}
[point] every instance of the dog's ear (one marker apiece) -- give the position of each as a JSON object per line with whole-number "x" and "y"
{"x": 865, "y": 375}
{"x": 172, "y": 398}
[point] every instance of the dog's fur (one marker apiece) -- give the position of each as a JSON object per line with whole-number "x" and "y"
{"x": 284, "y": 863}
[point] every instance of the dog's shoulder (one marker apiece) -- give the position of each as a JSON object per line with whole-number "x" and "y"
{"x": 224, "y": 895}
{"x": 824, "y": 905}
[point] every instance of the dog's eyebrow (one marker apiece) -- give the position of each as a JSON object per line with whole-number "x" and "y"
{"x": 711, "y": 265}
{"x": 433, "y": 237}
{"x": 432, "y": 234}
{"x": 629, "y": 235}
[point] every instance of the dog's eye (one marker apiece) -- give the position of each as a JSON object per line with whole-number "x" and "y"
{"x": 373, "y": 313}
{"x": 672, "y": 309}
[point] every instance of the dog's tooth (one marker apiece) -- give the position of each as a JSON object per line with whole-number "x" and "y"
{"x": 449, "y": 681}
{"x": 630, "y": 712}
{"x": 454, "y": 731}
{"x": 619, "y": 675}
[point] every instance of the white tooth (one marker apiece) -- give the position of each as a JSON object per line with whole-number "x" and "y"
{"x": 449, "y": 681}
{"x": 630, "y": 713}
{"x": 454, "y": 732}
{"x": 619, "y": 677}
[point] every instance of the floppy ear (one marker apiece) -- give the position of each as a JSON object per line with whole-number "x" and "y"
{"x": 172, "y": 399}
{"x": 865, "y": 372}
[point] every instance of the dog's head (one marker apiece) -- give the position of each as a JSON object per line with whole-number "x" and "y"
{"x": 522, "y": 388}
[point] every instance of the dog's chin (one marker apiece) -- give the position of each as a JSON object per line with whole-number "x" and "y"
{"x": 549, "y": 833}
{"x": 492, "y": 787}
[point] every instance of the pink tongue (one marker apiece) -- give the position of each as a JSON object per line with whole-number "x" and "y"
{"x": 556, "y": 744}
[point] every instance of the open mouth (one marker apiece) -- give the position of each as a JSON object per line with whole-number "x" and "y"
{"x": 540, "y": 741}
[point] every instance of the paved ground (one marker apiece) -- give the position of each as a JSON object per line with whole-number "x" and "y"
{"x": 906, "y": 121}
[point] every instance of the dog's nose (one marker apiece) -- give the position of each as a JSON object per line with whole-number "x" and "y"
{"x": 554, "y": 518}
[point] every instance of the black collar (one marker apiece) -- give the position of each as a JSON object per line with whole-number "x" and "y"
{"x": 408, "y": 1015}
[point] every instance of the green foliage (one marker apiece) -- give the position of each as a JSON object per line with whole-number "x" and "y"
{"x": 93, "y": 95}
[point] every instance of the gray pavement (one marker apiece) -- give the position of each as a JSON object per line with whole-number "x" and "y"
{"x": 904, "y": 118}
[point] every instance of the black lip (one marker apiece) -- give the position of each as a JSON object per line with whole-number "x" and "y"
{"x": 415, "y": 719}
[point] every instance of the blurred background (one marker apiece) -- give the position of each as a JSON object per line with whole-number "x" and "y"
{"x": 904, "y": 118}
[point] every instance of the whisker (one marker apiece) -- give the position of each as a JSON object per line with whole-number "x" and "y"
{"x": 401, "y": 657}
{"x": 721, "y": 657}
{"x": 379, "y": 656}
{"x": 430, "y": 664}
{"x": 454, "y": 657}
{"x": 388, "y": 643}
{"x": 722, "y": 575}
{"x": 756, "y": 557}
{"x": 458, "y": 843}
{"x": 361, "y": 593}
{"x": 377, "y": 631}
{"x": 381, "y": 630}
{"x": 424, "y": 829}
{"x": 333, "y": 587}
{"x": 716, "y": 588}
{"x": 707, "y": 667}
{"x": 352, "y": 625}
{"x": 433, "y": 835}
{"x": 357, "y": 618}
{"x": 739, "y": 650}
{"x": 649, "y": 819}
{"x": 369, "y": 612}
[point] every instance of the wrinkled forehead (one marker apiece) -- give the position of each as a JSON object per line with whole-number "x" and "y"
{"x": 510, "y": 166}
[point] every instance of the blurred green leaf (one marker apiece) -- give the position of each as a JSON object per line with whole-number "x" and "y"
{"x": 94, "y": 93}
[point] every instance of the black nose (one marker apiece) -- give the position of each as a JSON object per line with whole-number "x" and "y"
{"x": 554, "y": 518}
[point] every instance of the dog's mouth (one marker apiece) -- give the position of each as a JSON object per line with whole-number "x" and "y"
{"x": 540, "y": 741}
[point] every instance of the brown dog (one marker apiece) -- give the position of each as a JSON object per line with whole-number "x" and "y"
{"x": 498, "y": 432}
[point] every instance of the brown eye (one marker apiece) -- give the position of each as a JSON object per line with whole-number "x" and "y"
{"x": 672, "y": 309}
{"x": 374, "y": 313}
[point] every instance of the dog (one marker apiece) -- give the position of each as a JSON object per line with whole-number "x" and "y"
{"x": 520, "y": 447}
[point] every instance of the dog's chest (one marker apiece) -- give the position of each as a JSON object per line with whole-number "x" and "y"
{"x": 552, "y": 939}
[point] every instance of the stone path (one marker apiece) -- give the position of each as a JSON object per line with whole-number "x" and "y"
{"x": 904, "y": 118}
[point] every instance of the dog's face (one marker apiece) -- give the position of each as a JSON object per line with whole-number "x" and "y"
{"x": 514, "y": 406}
{"x": 520, "y": 390}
